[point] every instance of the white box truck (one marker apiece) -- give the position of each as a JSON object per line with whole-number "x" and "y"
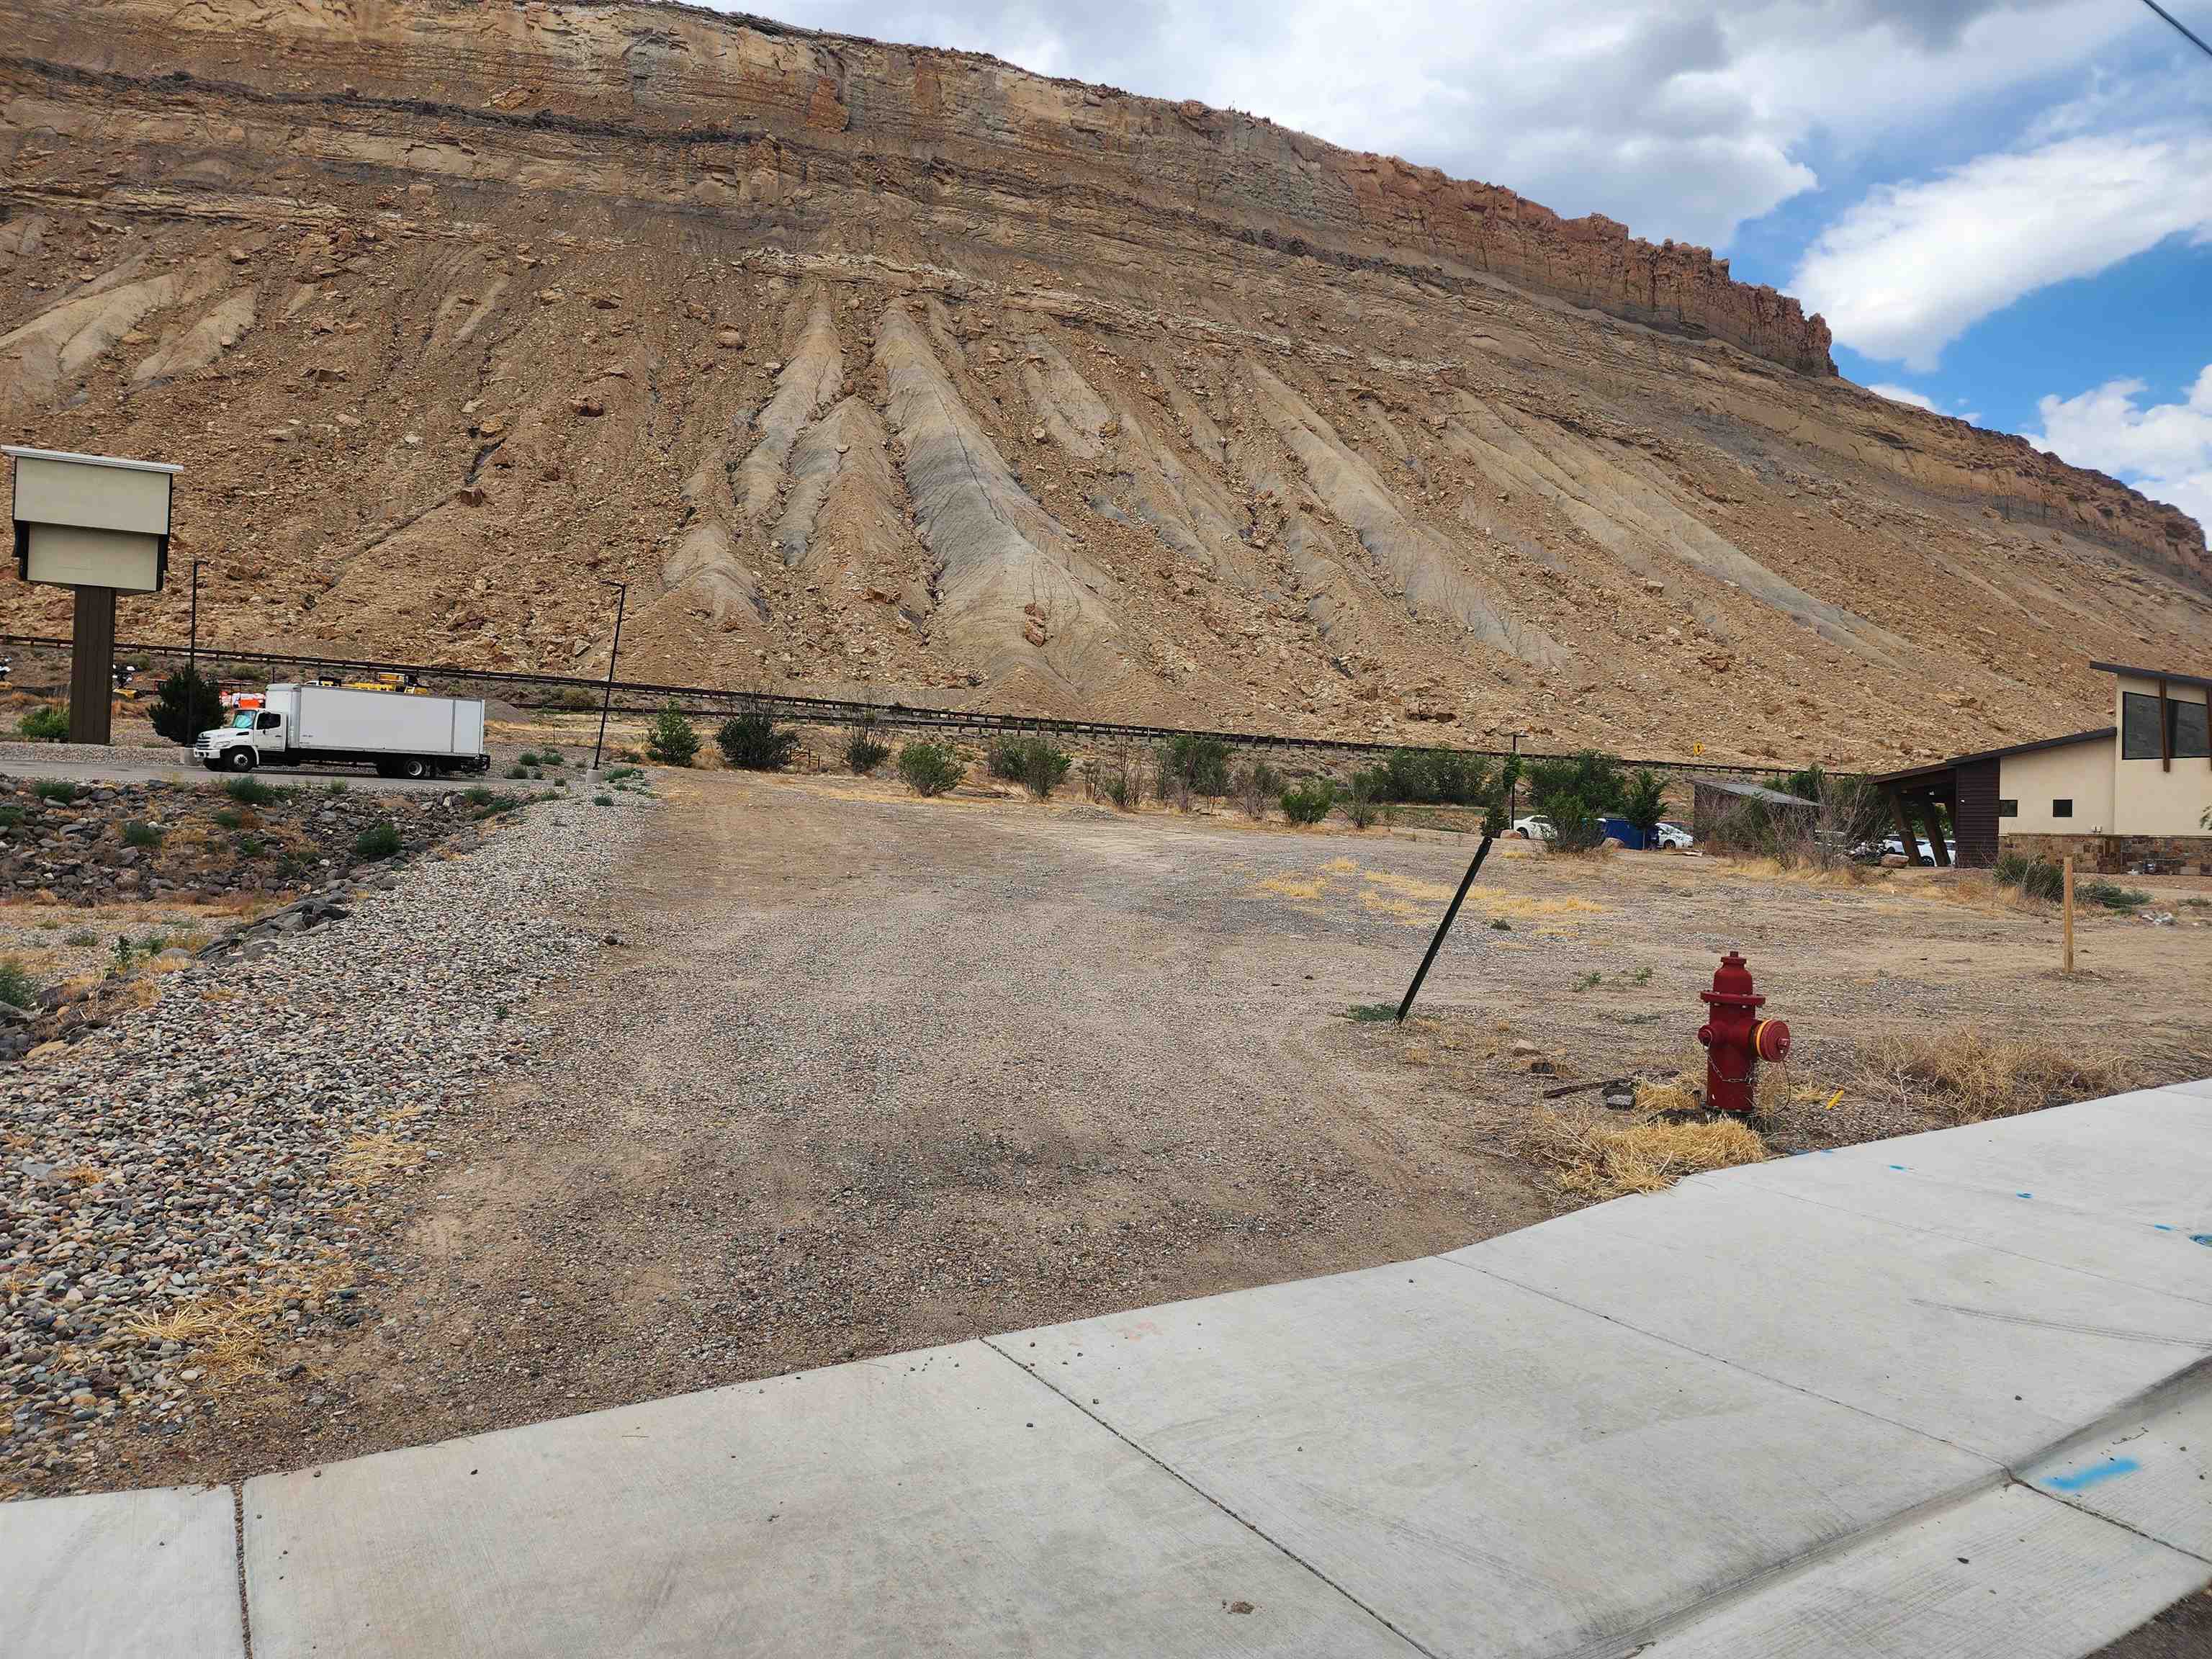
{"x": 401, "y": 735}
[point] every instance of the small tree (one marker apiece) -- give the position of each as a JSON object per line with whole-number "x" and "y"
{"x": 1574, "y": 793}
{"x": 1643, "y": 802}
{"x": 754, "y": 743}
{"x": 1198, "y": 766}
{"x": 672, "y": 740}
{"x": 931, "y": 769}
{"x": 1360, "y": 802}
{"x": 1044, "y": 764}
{"x": 185, "y": 704}
{"x": 47, "y": 723}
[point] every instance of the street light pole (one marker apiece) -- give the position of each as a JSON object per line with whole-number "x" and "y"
{"x": 192, "y": 650}
{"x": 622, "y": 597}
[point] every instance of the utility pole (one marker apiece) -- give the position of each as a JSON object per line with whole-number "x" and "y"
{"x": 192, "y": 650}
{"x": 1513, "y": 795}
{"x": 622, "y": 597}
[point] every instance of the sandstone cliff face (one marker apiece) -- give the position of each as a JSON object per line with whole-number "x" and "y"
{"x": 905, "y": 371}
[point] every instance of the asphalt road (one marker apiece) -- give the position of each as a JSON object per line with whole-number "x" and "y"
{"x": 140, "y": 765}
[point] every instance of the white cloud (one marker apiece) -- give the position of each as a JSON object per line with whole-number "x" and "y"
{"x": 1681, "y": 117}
{"x": 2164, "y": 450}
{"x": 1904, "y": 394}
{"x": 1913, "y": 266}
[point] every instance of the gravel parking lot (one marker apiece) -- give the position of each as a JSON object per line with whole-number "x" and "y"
{"x": 815, "y": 1070}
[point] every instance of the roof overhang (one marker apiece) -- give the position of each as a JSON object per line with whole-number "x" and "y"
{"x": 2172, "y": 676}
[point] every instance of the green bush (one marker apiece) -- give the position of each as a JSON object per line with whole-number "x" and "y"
{"x": 137, "y": 834}
{"x": 752, "y": 742}
{"x": 251, "y": 792}
{"x": 603, "y": 800}
{"x": 673, "y": 741}
{"x": 47, "y": 723}
{"x": 527, "y": 758}
{"x": 60, "y": 791}
{"x": 226, "y": 819}
{"x": 516, "y": 772}
{"x": 931, "y": 769}
{"x": 1429, "y": 777}
{"x": 378, "y": 842}
{"x": 1037, "y": 764}
{"x": 186, "y": 704}
{"x": 1574, "y": 792}
{"x": 863, "y": 753}
{"x": 17, "y": 986}
{"x": 11, "y": 814}
{"x": 1191, "y": 765}
{"x": 336, "y": 786}
{"x": 1121, "y": 779}
{"x": 249, "y": 846}
{"x": 1309, "y": 803}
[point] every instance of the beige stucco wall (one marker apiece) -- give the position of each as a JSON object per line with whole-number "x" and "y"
{"x": 2080, "y": 772}
{"x": 2148, "y": 800}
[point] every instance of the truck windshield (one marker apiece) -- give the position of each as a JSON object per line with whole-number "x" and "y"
{"x": 242, "y": 721}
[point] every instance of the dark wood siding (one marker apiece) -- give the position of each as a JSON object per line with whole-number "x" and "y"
{"x": 1974, "y": 815}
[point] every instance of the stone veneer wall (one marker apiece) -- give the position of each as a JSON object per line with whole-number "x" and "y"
{"x": 2114, "y": 856}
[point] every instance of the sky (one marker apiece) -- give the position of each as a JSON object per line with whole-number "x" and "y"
{"x": 2004, "y": 210}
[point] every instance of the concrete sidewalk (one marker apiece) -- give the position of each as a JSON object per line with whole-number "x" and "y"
{"x": 1944, "y": 1394}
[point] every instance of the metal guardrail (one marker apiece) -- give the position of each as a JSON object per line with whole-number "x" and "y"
{"x": 836, "y": 711}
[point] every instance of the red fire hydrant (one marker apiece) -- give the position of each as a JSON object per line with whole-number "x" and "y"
{"x": 1736, "y": 1039}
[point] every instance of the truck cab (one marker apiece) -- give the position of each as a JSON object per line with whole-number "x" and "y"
{"x": 254, "y": 737}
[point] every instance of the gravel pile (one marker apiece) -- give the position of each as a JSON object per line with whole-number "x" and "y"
{"x": 186, "y": 1189}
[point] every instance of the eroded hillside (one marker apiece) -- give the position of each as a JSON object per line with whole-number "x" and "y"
{"x": 908, "y": 372}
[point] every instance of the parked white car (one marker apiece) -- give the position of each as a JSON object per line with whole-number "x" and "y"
{"x": 1534, "y": 827}
{"x": 1671, "y": 838}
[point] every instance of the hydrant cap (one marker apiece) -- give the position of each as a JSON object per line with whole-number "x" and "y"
{"x": 1732, "y": 986}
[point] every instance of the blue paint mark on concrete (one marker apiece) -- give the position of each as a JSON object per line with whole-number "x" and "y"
{"x": 2094, "y": 1474}
{"x": 2161, "y": 1226}
{"x": 1897, "y": 1166}
{"x": 2205, "y": 1239}
{"x": 2023, "y": 1194}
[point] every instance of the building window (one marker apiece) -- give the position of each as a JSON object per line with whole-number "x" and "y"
{"x": 2061, "y": 809}
{"x": 2008, "y": 808}
{"x": 2186, "y": 734}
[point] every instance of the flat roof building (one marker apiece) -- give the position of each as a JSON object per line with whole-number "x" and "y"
{"x": 2135, "y": 791}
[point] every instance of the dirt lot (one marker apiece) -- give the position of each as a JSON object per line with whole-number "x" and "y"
{"x": 861, "y": 1072}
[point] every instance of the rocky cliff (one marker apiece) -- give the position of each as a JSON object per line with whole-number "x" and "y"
{"x": 907, "y": 371}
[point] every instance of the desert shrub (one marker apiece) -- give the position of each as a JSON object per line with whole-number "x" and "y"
{"x": 931, "y": 769}
{"x": 139, "y": 834}
{"x": 1037, "y": 764}
{"x": 60, "y": 791}
{"x": 516, "y": 772}
{"x": 1371, "y": 1013}
{"x": 863, "y": 753}
{"x": 47, "y": 723}
{"x": 1360, "y": 804}
{"x": 1257, "y": 786}
{"x": 477, "y": 796}
{"x": 226, "y": 819}
{"x": 752, "y": 742}
{"x": 18, "y": 988}
{"x": 185, "y": 704}
{"x": 251, "y": 792}
{"x": 336, "y": 786}
{"x": 378, "y": 841}
{"x": 574, "y": 698}
{"x": 1120, "y": 780}
{"x": 2035, "y": 877}
{"x": 2112, "y": 896}
{"x": 1966, "y": 1075}
{"x": 527, "y": 758}
{"x": 672, "y": 739}
{"x": 620, "y": 773}
{"x": 82, "y": 937}
{"x": 249, "y": 846}
{"x": 11, "y": 814}
{"x": 1309, "y": 802}
{"x": 603, "y": 800}
{"x": 551, "y": 757}
{"x": 1195, "y": 765}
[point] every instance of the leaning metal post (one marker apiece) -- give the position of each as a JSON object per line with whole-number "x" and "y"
{"x": 622, "y": 597}
{"x": 1444, "y": 927}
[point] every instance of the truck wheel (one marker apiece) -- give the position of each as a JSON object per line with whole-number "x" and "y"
{"x": 414, "y": 767}
{"x": 242, "y": 759}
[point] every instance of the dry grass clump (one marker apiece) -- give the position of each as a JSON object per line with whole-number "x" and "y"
{"x": 1602, "y": 1154}
{"x": 1967, "y": 1076}
{"x": 367, "y": 1160}
{"x": 228, "y": 1339}
{"x": 1678, "y": 1093}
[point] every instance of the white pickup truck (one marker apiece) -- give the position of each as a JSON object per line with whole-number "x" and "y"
{"x": 400, "y": 735}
